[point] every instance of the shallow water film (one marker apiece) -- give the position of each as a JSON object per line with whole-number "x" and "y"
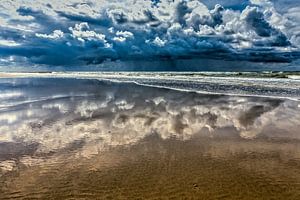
{"x": 64, "y": 138}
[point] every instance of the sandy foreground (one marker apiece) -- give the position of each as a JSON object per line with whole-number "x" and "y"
{"x": 200, "y": 168}
{"x": 91, "y": 139}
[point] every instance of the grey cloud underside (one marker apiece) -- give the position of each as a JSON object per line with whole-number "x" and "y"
{"x": 74, "y": 33}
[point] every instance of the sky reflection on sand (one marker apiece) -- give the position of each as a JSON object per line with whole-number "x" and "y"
{"x": 119, "y": 114}
{"x": 82, "y": 119}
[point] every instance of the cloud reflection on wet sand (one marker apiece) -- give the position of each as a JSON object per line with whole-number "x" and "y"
{"x": 85, "y": 138}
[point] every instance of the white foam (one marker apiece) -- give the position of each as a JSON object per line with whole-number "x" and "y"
{"x": 141, "y": 78}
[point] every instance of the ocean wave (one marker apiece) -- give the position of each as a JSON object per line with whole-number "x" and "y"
{"x": 264, "y": 84}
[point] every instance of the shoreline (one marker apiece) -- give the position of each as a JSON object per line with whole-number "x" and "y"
{"x": 141, "y": 78}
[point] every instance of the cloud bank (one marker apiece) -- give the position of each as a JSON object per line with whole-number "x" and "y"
{"x": 80, "y": 33}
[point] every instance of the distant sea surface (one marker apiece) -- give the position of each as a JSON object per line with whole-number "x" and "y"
{"x": 264, "y": 84}
{"x": 121, "y": 135}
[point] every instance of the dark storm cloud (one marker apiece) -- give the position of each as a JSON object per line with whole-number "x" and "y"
{"x": 73, "y": 33}
{"x": 255, "y": 19}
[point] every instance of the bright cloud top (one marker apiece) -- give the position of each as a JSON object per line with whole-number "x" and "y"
{"x": 72, "y": 32}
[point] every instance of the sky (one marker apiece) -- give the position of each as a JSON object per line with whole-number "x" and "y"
{"x": 141, "y": 35}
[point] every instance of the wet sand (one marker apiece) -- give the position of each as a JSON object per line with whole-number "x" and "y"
{"x": 84, "y": 139}
{"x": 200, "y": 168}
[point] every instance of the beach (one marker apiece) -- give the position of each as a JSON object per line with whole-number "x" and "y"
{"x": 98, "y": 137}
